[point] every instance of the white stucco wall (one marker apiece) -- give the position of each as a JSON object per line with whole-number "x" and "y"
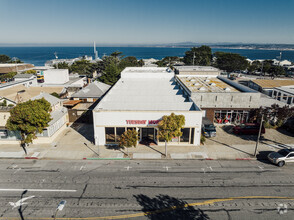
{"x": 104, "y": 119}
{"x": 56, "y": 76}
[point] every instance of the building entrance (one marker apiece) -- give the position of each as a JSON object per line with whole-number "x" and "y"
{"x": 147, "y": 136}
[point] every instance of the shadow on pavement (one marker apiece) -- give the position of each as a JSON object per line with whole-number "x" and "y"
{"x": 262, "y": 157}
{"x": 232, "y": 147}
{"x": 164, "y": 207}
{"x": 285, "y": 132}
{"x": 86, "y": 130}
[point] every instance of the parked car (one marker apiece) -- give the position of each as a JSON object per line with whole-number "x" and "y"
{"x": 281, "y": 157}
{"x": 248, "y": 128}
{"x": 208, "y": 129}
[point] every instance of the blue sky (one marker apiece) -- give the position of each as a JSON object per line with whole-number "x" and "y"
{"x": 146, "y": 21}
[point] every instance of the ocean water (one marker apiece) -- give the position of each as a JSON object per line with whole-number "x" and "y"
{"x": 39, "y": 55}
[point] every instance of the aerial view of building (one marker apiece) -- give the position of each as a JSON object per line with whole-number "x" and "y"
{"x": 138, "y": 101}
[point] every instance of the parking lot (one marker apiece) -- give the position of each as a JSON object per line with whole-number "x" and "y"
{"x": 225, "y": 136}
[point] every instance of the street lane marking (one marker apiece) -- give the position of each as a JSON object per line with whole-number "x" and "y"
{"x": 39, "y": 190}
{"x": 166, "y": 168}
{"x": 207, "y": 202}
{"x": 16, "y": 170}
{"x": 20, "y": 202}
{"x": 203, "y": 169}
{"x": 128, "y": 168}
{"x": 210, "y": 168}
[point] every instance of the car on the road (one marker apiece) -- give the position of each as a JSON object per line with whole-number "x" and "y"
{"x": 248, "y": 128}
{"x": 281, "y": 157}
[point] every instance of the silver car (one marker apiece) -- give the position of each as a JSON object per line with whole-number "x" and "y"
{"x": 281, "y": 157}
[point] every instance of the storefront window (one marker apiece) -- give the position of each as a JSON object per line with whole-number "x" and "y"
{"x": 230, "y": 116}
{"x": 192, "y": 136}
{"x": 185, "y": 135}
{"x": 119, "y": 132}
{"x": 109, "y": 134}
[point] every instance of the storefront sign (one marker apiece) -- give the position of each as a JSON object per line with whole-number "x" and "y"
{"x": 153, "y": 122}
{"x": 136, "y": 122}
{"x": 142, "y": 122}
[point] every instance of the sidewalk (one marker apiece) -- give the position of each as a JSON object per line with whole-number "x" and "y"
{"x": 70, "y": 145}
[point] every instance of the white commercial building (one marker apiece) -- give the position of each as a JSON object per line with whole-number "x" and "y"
{"x": 56, "y": 76}
{"x": 139, "y": 100}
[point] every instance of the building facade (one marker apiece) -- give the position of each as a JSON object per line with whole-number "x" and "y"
{"x": 221, "y": 100}
{"x": 139, "y": 100}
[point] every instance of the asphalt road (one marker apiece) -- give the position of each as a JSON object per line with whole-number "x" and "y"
{"x": 146, "y": 189}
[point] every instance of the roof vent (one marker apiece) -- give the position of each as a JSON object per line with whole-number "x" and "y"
{"x": 202, "y": 88}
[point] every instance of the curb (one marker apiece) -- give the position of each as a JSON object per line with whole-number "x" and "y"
{"x": 34, "y": 158}
{"x": 97, "y": 158}
{"x": 244, "y": 158}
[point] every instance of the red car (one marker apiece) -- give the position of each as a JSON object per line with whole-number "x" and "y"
{"x": 248, "y": 128}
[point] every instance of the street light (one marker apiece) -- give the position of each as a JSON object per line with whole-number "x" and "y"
{"x": 59, "y": 207}
{"x": 257, "y": 141}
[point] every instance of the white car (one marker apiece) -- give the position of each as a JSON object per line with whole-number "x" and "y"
{"x": 281, "y": 157}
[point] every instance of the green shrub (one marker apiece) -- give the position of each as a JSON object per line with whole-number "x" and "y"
{"x": 202, "y": 139}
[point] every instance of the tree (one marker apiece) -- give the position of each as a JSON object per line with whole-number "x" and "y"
{"x": 62, "y": 65}
{"x": 7, "y": 76}
{"x": 128, "y": 62}
{"x": 4, "y": 103}
{"x": 276, "y": 71}
{"x": 31, "y": 72}
{"x": 202, "y": 56}
{"x": 230, "y": 61}
{"x": 116, "y": 54}
{"x": 111, "y": 75}
{"x": 55, "y": 94}
{"x": 169, "y": 127}
{"x": 4, "y": 58}
{"x": 168, "y": 61}
{"x": 29, "y": 118}
{"x": 82, "y": 67}
{"x": 129, "y": 139}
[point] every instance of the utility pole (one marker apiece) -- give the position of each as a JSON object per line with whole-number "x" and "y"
{"x": 257, "y": 141}
{"x": 193, "y": 57}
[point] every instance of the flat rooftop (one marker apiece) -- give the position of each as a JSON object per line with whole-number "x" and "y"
{"x": 269, "y": 83}
{"x": 206, "y": 84}
{"x": 196, "y": 68}
{"x": 288, "y": 89}
{"x": 146, "y": 89}
{"x": 25, "y": 93}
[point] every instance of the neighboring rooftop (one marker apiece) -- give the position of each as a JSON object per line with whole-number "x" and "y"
{"x": 93, "y": 90}
{"x": 196, "y": 68}
{"x": 269, "y": 83}
{"x": 288, "y": 89}
{"x": 50, "y": 98}
{"x": 205, "y": 84}
{"x": 146, "y": 88}
{"x": 12, "y": 67}
{"x": 23, "y": 76}
{"x": 25, "y": 93}
{"x": 267, "y": 101}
